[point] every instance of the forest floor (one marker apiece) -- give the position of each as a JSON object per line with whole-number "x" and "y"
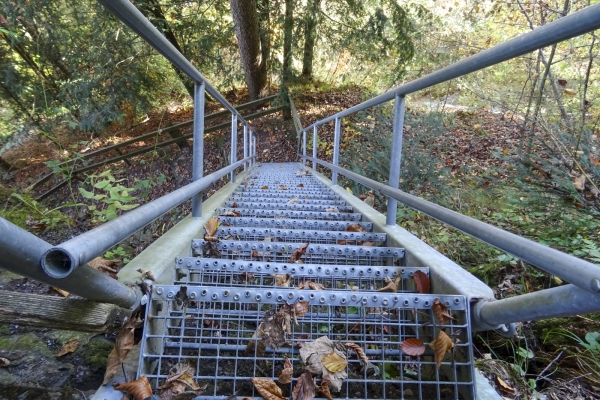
{"x": 536, "y": 363}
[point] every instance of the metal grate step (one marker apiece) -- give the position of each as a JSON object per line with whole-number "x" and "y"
{"x": 301, "y": 235}
{"x": 292, "y": 223}
{"x": 286, "y": 206}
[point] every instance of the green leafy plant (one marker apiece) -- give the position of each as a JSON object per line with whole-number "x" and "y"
{"x": 111, "y": 196}
{"x": 589, "y": 358}
{"x": 51, "y": 218}
{"x": 117, "y": 252}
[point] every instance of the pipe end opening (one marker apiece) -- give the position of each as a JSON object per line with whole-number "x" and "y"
{"x": 58, "y": 263}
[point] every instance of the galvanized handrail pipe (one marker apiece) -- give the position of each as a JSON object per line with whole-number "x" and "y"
{"x": 315, "y": 137}
{"x": 574, "y": 270}
{"x": 198, "y": 146}
{"x": 560, "y": 301}
{"x": 234, "y": 123}
{"x": 576, "y": 24}
{"x": 396, "y": 158}
{"x": 132, "y": 17}
{"x": 60, "y": 261}
{"x": 21, "y": 253}
{"x": 336, "y": 148}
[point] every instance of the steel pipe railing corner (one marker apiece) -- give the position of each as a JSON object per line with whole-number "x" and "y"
{"x": 198, "y": 145}
{"x": 395, "y": 157}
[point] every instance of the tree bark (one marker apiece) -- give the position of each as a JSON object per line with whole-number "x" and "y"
{"x": 245, "y": 18}
{"x": 310, "y": 33}
{"x": 264, "y": 22}
{"x": 152, "y": 10}
{"x": 288, "y": 26}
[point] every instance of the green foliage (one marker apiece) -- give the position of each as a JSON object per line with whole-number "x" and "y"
{"x": 118, "y": 253}
{"x": 22, "y": 210}
{"x": 110, "y": 196}
{"x": 589, "y": 358}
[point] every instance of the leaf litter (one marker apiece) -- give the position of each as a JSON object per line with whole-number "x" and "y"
{"x": 313, "y": 353}
{"x": 123, "y": 345}
{"x": 180, "y": 383}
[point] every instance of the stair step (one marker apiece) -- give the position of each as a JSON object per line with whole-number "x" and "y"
{"x": 336, "y": 216}
{"x": 329, "y": 203}
{"x": 287, "y": 196}
{"x": 286, "y": 206}
{"x": 292, "y": 223}
{"x": 301, "y": 235}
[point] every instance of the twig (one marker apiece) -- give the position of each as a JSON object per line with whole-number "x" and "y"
{"x": 582, "y": 376}
{"x": 540, "y": 376}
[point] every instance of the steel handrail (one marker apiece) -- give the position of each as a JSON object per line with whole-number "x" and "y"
{"x": 132, "y": 17}
{"x": 60, "y": 261}
{"x": 576, "y": 24}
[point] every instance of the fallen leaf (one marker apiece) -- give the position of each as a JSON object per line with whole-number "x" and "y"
{"x": 298, "y": 253}
{"x": 271, "y": 331}
{"x": 246, "y": 276}
{"x": 293, "y": 201}
{"x": 181, "y": 297}
{"x": 286, "y": 374}
{"x": 234, "y": 205}
{"x": 355, "y": 228}
{"x": 570, "y": 92}
{"x": 334, "y": 362}
{"x": 296, "y": 310}
{"x": 504, "y": 386}
{"x": 476, "y": 126}
{"x": 557, "y": 280}
{"x": 301, "y": 173}
{"x": 392, "y": 286}
{"x": 413, "y": 347}
{"x": 264, "y": 187}
{"x": 212, "y": 225}
{"x": 441, "y": 312}
{"x": 305, "y": 387}
{"x": 282, "y": 187}
{"x": 579, "y": 183}
{"x": 324, "y": 388}
{"x": 310, "y": 285}
{"x": 422, "y": 282}
{"x": 349, "y": 190}
{"x": 359, "y": 352}
{"x": 300, "y": 185}
{"x": 180, "y": 383}
{"x": 63, "y": 293}
{"x": 68, "y": 347}
{"x": 267, "y": 389}
{"x": 4, "y": 362}
{"x": 282, "y": 280}
{"x": 370, "y": 200}
{"x": 230, "y": 213}
{"x": 146, "y": 274}
{"x": 140, "y": 389}
{"x": 440, "y": 346}
{"x": 123, "y": 345}
{"x": 102, "y": 264}
{"x": 333, "y": 209}
{"x": 312, "y": 353}
{"x": 368, "y": 244}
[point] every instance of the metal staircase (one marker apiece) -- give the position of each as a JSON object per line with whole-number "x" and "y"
{"x": 253, "y": 270}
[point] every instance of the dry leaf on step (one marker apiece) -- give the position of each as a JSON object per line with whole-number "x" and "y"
{"x": 359, "y": 352}
{"x": 267, "y": 389}
{"x": 271, "y": 331}
{"x": 310, "y": 285}
{"x": 300, "y": 185}
{"x": 422, "y": 282}
{"x": 139, "y": 389}
{"x": 68, "y": 347}
{"x": 504, "y": 386}
{"x": 312, "y": 353}
{"x": 413, "y": 347}
{"x": 296, "y": 310}
{"x": 355, "y": 228}
{"x": 440, "y": 346}
{"x": 334, "y": 362}
{"x": 301, "y": 173}
{"x": 212, "y": 225}
{"x": 63, "y": 293}
{"x": 305, "y": 387}
{"x": 123, "y": 345}
{"x": 102, "y": 264}
{"x": 441, "y": 312}
{"x": 282, "y": 187}
{"x": 282, "y": 280}
{"x": 146, "y": 274}
{"x": 298, "y": 253}
{"x": 180, "y": 383}
{"x": 293, "y": 201}
{"x": 288, "y": 371}
{"x": 333, "y": 209}
{"x": 392, "y": 286}
{"x": 264, "y": 187}
{"x": 324, "y": 388}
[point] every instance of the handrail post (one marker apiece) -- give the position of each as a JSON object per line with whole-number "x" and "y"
{"x": 233, "y": 143}
{"x": 251, "y": 147}
{"x": 198, "y": 146}
{"x": 314, "y": 164}
{"x": 304, "y": 147}
{"x": 245, "y": 146}
{"x": 396, "y": 158}
{"x": 336, "y": 150}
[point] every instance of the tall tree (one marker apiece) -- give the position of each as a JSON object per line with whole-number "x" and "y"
{"x": 310, "y": 34}
{"x": 265, "y": 32}
{"x": 247, "y": 31}
{"x": 288, "y": 28}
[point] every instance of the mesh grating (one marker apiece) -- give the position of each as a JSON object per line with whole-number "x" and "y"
{"x": 213, "y": 328}
{"x": 286, "y": 223}
{"x": 301, "y": 236}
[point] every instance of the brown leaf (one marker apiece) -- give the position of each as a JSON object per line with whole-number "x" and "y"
{"x": 68, "y": 347}
{"x": 440, "y": 346}
{"x": 282, "y": 187}
{"x": 504, "y": 386}
{"x": 579, "y": 182}
{"x": 139, "y": 389}
{"x": 123, "y": 345}
{"x": 334, "y": 362}
{"x": 271, "y": 330}
{"x": 422, "y": 282}
{"x": 146, "y": 274}
{"x": 368, "y": 244}
{"x": 392, "y": 286}
{"x": 298, "y": 309}
{"x": 4, "y": 362}
{"x": 286, "y": 374}
{"x": 212, "y": 225}
{"x": 300, "y": 185}
{"x": 324, "y": 388}
{"x": 264, "y": 187}
{"x": 102, "y": 264}
{"x": 341, "y": 242}
{"x": 355, "y": 228}
{"x": 358, "y": 350}
{"x": 267, "y": 389}
{"x": 333, "y": 209}
{"x": 63, "y": 293}
{"x": 282, "y": 280}
{"x": 312, "y": 353}
{"x": 234, "y": 205}
{"x": 441, "y": 312}
{"x": 293, "y": 201}
{"x": 230, "y": 213}
{"x": 246, "y": 276}
{"x": 305, "y": 387}
{"x": 298, "y": 253}
{"x": 413, "y": 347}
{"x": 310, "y": 285}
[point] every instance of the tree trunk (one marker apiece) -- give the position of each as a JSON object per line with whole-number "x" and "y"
{"x": 264, "y": 22}
{"x": 310, "y": 33}
{"x": 245, "y": 18}
{"x": 152, "y": 10}
{"x": 288, "y": 28}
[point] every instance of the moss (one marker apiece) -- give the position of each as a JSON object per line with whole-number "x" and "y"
{"x": 4, "y": 330}
{"x": 96, "y": 352}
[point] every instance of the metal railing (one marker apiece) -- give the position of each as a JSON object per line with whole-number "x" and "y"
{"x": 63, "y": 266}
{"x": 579, "y": 297}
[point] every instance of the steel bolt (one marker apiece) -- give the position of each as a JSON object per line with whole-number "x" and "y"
{"x": 171, "y": 294}
{"x": 290, "y": 295}
{"x": 258, "y": 297}
{"x": 332, "y": 297}
{"x": 194, "y": 245}
{"x": 159, "y": 290}
{"x": 596, "y": 285}
{"x": 385, "y": 302}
